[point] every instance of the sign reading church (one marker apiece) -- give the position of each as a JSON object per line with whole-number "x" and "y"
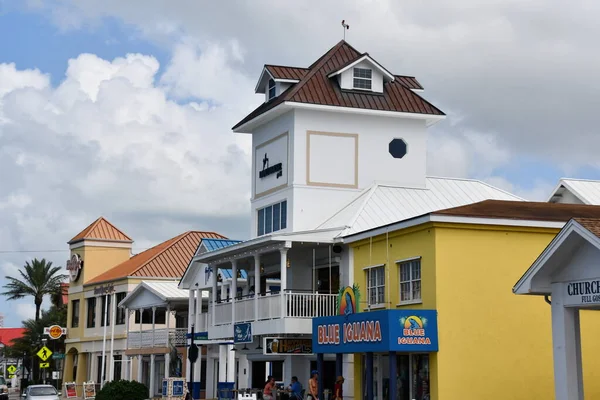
{"x": 271, "y": 163}
{"x": 582, "y": 293}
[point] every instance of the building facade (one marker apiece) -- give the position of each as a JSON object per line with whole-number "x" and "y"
{"x": 451, "y": 271}
{"x": 102, "y": 272}
{"x": 339, "y": 147}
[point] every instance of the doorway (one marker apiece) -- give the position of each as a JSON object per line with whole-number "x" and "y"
{"x": 328, "y": 279}
{"x": 328, "y": 377}
{"x": 259, "y": 376}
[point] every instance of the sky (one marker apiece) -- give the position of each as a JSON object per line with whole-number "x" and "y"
{"x": 124, "y": 109}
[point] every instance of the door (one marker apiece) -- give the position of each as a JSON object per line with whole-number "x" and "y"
{"x": 328, "y": 377}
{"x": 259, "y": 378}
{"x": 328, "y": 280}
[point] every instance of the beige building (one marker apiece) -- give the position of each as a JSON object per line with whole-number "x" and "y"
{"x": 102, "y": 272}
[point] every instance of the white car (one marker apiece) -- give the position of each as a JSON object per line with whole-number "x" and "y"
{"x": 40, "y": 392}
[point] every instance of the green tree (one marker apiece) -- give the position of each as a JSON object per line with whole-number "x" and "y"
{"x": 38, "y": 279}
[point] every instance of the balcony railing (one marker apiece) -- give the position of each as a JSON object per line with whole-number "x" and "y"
{"x": 297, "y": 305}
{"x": 158, "y": 337}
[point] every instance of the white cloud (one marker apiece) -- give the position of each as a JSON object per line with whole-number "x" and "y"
{"x": 25, "y": 310}
{"x": 9, "y": 269}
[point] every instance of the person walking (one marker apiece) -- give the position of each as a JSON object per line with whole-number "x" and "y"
{"x": 313, "y": 386}
{"x": 339, "y": 388}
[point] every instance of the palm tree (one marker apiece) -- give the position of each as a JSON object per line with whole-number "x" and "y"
{"x": 38, "y": 279}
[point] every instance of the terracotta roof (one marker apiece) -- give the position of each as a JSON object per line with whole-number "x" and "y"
{"x": 7, "y": 335}
{"x": 101, "y": 229}
{"x": 166, "y": 260}
{"x": 316, "y": 88}
{"x": 591, "y": 224}
{"x": 285, "y": 72}
{"x": 524, "y": 210}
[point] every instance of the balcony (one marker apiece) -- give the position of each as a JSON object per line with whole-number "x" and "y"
{"x": 157, "y": 338}
{"x": 301, "y": 305}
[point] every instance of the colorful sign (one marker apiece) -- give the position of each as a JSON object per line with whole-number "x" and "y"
{"x": 44, "y": 365}
{"x": 71, "y": 390}
{"x": 377, "y": 331}
{"x": 242, "y": 333}
{"x": 58, "y": 356}
{"x": 74, "y": 266}
{"x": 287, "y": 346}
{"x": 89, "y": 390}
{"x": 11, "y": 369}
{"x": 348, "y": 300}
{"x": 55, "y": 331}
{"x": 44, "y": 353}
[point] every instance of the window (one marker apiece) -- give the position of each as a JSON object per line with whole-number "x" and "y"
{"x": 376, "y": 285}
{"x": 91, "y": 312}
{"x": 120, "y": 311}
{"x": 271, "y": 89}
{"x": 159, "y": 317}
{"x": 272, "y": 218}
{"x": 362, "y": 78}
{"x": 106, "y": 300}
{"x": 74, "y": 313}
{"x": 410, "y": 280}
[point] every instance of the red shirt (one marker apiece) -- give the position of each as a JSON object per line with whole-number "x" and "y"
{"x": 338, "y": 389}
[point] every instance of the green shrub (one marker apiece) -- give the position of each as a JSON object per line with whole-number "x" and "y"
{"x": 123, "y": 390}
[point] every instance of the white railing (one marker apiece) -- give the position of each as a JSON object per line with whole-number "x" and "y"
{"x": 158, "y": 337}
{"x": 310, "y": 305}
{"x": 298, "y": 305}
{"x": 222, "y": 313}
{"x": 244, "y": 309}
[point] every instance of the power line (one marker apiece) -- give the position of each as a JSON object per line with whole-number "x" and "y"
{"x": 90, "y": 249}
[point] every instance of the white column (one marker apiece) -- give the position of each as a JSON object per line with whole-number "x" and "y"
{"x": 233, "y": 289}
{"x": 113, "y": 321}
{"x": 153, "y": 325}
{"x": 127, "y": 367}
{"x": 283, "y": 278}
{"x": 198, "y": 315}
{"x": 230, "y": 363}
{"x": 152, "y": 384}
{"x": 127, "y": 316}
{"x": 168, "y": 353}
{"x": 566, "y": 342}
{"x": 223, "y": 292}
{"x": 191, "y": 305}
{"x": 256, "y": 284}
{"x": 139, "y": 374}
{"x": 222, "y": 363}
{"x": 214, "y": 293}
{"x": 103, "y": 366}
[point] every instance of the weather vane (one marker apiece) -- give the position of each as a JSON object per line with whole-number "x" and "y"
{"x": 345, "y": 27}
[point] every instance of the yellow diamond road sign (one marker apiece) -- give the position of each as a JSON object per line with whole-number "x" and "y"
{"x": 44, "y": 353}
{"x": 11, "y": 369}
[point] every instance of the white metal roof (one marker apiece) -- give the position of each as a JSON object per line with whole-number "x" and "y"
{"x": 166, "y": 291}
{"x": 588, "y": 191}
{"x": 384, "y": 204}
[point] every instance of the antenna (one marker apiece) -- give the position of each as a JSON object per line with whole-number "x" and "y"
{"x": 345, "y": 27}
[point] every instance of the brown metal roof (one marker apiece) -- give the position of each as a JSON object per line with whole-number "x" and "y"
{"x": 591, "y": 224}
{"x": 166, "y": 260}
{"x": 285, "y": 72}
{"x": 316, "y": 88}
{"x": 523, "y": 210}
{"x": 101, "y": 229}
{"x": 409, "y": 81}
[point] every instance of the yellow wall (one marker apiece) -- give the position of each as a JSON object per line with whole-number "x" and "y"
{"x": 97, "y": 260}
{"x": 493, "y": 344}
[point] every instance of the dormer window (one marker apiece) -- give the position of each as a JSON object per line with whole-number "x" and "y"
{"x": 363, "y": 78}
{"x": 272, "y": 90}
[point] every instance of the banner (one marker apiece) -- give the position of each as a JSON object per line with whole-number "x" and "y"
{"x": 287, "y": 346}
{"x": 71, "y": 390}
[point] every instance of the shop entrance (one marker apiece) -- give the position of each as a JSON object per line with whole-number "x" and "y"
{"x": 412, "y": 380}
{"x": 328, "y": 377}
{"x": 262, "y": 369}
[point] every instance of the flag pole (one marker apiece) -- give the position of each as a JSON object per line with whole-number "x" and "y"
{"x": 102, "y": 374}
{"x": 113, "y": 321}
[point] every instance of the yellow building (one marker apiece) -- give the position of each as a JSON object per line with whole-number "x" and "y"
{"x": 102, "y": 272}
{"x": 462, "y": 262}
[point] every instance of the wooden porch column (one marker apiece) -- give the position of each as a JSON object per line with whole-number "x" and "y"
{"x": 233, "y": 290}
{"x": 153, "y": 325}
{"x": 214, "y": 293}
{"x": 283, "y": 283}
{"x": 168, "y": 353}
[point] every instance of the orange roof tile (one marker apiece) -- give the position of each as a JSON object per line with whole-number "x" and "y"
{"x": 101, "y": 229}
{"x": 166, "y": 260}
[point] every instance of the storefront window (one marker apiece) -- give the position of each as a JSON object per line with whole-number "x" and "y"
{"x": 412, "y": 379}
{"x": 420, "y": 376}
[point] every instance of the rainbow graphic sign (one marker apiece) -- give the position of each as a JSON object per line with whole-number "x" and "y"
{"x": 348, "y": 300}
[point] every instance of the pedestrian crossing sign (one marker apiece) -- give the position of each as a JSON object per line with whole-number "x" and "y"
{"x": 44, "y": 353}
{"x": 45, "y": 365}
